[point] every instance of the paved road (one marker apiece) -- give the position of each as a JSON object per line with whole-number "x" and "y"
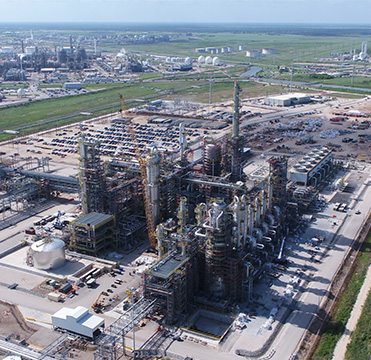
{"x": 299, "y": 320}
{"x": 319, "y": 278}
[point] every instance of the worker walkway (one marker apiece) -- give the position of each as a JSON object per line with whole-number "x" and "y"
{"x": 23, "y": 351}
{"x": 114, "y": 336}
{"x": 156, "y": 345}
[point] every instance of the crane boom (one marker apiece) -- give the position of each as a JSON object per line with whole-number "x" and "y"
{"x": 143, "y": 175}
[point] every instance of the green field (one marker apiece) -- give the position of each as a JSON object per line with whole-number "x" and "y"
{"x": 360, "y": 345}
{"x": 333, "y": 330}
{"x": 192, "y": 86}
{"x": 107, "y": 101}
{"x": 290, "y": 48}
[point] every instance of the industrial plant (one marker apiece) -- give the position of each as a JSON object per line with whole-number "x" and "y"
{"x": 211, "y": 229}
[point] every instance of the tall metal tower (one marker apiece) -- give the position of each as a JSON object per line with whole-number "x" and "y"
{"x": 235, "y": 143}
{"x": 91, "y": 177}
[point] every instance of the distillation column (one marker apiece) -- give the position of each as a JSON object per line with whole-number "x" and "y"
{"x": 218, "y": 248}
{"x": 153, "y": 176}
{"x": 236, "y": 151}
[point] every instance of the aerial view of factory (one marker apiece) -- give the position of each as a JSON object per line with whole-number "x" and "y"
{"x": 174, "y": 228}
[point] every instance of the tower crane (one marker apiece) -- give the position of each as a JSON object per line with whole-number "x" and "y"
{"x": 143, "y": 175}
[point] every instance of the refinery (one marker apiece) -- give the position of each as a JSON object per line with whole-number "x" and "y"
{"x": 172, "y": 228}
{"x": 213, "y": 223}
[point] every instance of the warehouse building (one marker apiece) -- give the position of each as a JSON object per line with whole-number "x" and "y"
{"x": 78, "y": 321}
{"x": 72, "y": 85}
{"x": 287, "y": 99}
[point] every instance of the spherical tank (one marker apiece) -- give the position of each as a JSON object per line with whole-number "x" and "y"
{"x": 201, "y": 59}
{"x": 208, "y": 60}
{"x": 188, "y": 60}
{"x": 216, "y": 61}
{"x": 21, "y": 92}
{"x": 48, "y": 254}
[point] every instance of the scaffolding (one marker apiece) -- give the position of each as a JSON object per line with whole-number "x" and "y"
{"x": 171, "y": 282}
{"x": 91, "y": 177}
{"x": 92, "y": 233}
{"x": 111, "y": 343}
{"x": 278, "y": 178}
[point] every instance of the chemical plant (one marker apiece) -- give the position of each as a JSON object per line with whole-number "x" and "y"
{"x": 212, "y": 222}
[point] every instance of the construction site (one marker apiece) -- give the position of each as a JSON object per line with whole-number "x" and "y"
{"x": 215, "y": 217}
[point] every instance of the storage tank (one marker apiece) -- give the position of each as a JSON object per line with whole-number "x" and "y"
{"x": 216, "y": 61}
{"x": 48, "y": 254}
{"x": 201, "y": 59}
{"x": 21, "y": 92}
{"x": 13, "y": 357}
{"x": 188, "y": 60}
{"x": 208, "y": 60}
{"x": 268, "y": 51}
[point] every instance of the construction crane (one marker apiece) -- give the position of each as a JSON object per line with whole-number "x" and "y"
{"x": 57, "y": 222}
{"x": 97, "y": 306}
{"x": 143, "y": 175}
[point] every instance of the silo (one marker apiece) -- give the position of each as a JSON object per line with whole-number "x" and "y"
{"x": 208, "y": 60}
{"x": 212, "y": 159}
{"x": 48, "y": 253}
{"x": 216, "y": 61}
{"x": 201, "y": 59}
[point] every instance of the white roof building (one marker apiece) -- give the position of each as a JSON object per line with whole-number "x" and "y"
{"x": 78, "y": 321}
{"x": 287, "y": 99}
{"x": 312, "y": 168}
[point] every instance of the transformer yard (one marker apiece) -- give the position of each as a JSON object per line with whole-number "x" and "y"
{"x": 181, "y": 230}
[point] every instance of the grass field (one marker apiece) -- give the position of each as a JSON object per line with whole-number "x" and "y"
{"x": 290, "y": 48}
{"x": 360, "y": 345}
{"x": 106, "y": 101}
{"x": 192, "y": 86}
{"x": 333, "y": 330}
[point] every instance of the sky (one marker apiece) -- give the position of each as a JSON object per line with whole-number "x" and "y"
{"x": 200, "y": 11}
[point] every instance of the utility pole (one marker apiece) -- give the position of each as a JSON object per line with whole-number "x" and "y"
{"x": 210, "y": 91}
{"x": 291, "y": 79}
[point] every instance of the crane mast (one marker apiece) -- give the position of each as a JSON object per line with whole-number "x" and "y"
{"x": 143, "y": 175}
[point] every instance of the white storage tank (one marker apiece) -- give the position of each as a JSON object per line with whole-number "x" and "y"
{"x": 208, "y": 60}
{"x": 269, "y": 51}
{"x": 48, "y": 254}
{"x": 216, "y": 61}
{"x": 13, "y": 357}
{"x": 201, "y": 59}
{"x": 188, "y": 60}
{"x": 21, "y": 92}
